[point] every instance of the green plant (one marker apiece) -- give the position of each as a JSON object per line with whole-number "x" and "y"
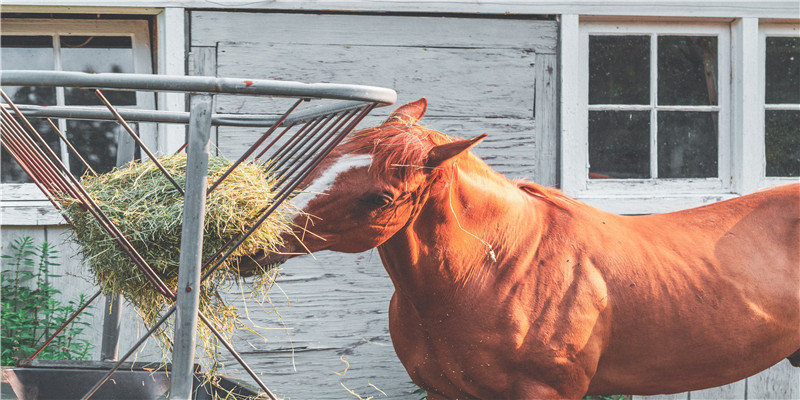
{"x": 30, "y": 311}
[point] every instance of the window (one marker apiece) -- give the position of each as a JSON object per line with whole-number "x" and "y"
{"x": 779, "y": 47}
{"x": 86, "y": 45}
{"x": 656, "y": 108}
{"x": 652, "y": 119}
{"x": 89, "y": 46}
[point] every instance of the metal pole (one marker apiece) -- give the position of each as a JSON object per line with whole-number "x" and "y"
{"x": 194, "y": 204}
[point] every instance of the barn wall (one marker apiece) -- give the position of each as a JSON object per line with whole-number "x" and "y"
{"x": 330, "y": 331}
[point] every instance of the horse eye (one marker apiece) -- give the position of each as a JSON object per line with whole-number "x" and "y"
{"x": 381, "y": 199}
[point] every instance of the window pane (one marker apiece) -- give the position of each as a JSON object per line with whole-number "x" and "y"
{"x": 687, "y": 70}
{"x": 619, "y": 144}
{"x": 782, "y": 137}
{"x": 783, "y": 70}
{"x": 97, "y": 54}
{"x": 97, "y": 143}
{"x": 687, "y": 144}
{"x": 27, "y": 52}
{"x": 619, "y": 70}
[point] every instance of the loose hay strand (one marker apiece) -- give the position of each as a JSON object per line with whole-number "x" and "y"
{"x": 148, "y": 210}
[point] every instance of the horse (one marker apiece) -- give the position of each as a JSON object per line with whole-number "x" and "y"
{"x": 511, "y": 290}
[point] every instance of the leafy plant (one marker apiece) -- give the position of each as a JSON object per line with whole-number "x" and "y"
{"x": 30, "y": 311}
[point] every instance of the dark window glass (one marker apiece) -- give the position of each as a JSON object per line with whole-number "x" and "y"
{"x": 97, "y": 54}
{"x": 782, "y": 140}
{"x": 783, "y": 70}
{"x": 26, "y": 53}
{"x": 619, "y": 144}
{"x": 687, "y": 144}
{"x": 687, "y": 70}
{"x": 619, "y": 70}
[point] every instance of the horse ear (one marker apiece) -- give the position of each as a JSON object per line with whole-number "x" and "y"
{"x": 410, "y": 113}
{"x": 441, "y": 153}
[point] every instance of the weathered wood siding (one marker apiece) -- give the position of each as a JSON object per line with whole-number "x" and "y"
{"x": 330, "y": 329}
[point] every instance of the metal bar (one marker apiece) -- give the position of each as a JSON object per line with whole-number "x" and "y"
{"x": 64, "y": 326}
{"x": 139, "y": 141}
{"x": 188, "y": 293}
{"x": 255, "y": 145}
{"x": 278, "y": 155}
{"x": 130, "y": 352}
{"x": 280, "y": 135}
{"x": 71, "y": 147}
{"x": 235, "y": 355}
{"x": 197, "y": 84}
{"x": 112, "y": 317}
{"x": 182, "y": 117}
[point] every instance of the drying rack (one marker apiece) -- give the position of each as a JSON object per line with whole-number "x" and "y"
{"x": 295, "y": 142}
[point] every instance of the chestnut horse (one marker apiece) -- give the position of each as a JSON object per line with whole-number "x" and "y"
{"x": 510, "y": 290}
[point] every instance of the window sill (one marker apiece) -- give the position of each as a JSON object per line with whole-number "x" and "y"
{"x": 650, "y": 203}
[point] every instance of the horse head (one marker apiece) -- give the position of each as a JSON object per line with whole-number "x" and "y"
{"x": 368, "y": 188}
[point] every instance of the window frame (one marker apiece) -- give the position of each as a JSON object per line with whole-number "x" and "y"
{"x": 772, "y": 30}
{"x": 638, "y": 195}
{"x": 24, "y": 203}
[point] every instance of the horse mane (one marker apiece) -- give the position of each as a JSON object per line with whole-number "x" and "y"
{"x": 398, "y": 148}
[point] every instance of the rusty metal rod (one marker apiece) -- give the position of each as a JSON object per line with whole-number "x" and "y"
{"x": 279, "y": 154}
{"x": 130, "y": 352}
{"x": 235, "y": 355}
{"x": 255, "y": 145}
{"x": 64, "y": 326}
{"x": 286, "y": 191}
{"x": 36, "y": 180}
{"x": 33, "y": 157}
{"x": 71, "y": 147}
{"x": 301, "y": 143}
{"x": 138, "y": 140}
{"x": 95, "y": 210}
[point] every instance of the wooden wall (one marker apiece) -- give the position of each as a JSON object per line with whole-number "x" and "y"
{"x": 330, "y": 332}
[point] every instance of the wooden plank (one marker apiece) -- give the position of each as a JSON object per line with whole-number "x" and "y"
{"x": 546, "y": 117}
{"x": 457, "y": 82}
{"x": 677, "y": 396}
{"x": 733, "y": 391}
{"x": 260, "y": 30}
{"x": 782, "y": 381}
{"x": 509, "y": 149}
{"x": 724, "y": 9}
{"x": 324, "y": 309}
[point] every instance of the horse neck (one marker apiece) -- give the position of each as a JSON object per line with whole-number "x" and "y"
{"x": 461, "y": 233}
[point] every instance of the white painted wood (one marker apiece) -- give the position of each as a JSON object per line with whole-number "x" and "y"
{"x": 171, "y": 47}
{"x": 664, "y": 8}
{"x": 757, "y": 149}
{"x": 651, "y": 203}
{"x": 734, "y": 391}
{"x": 574, "y": 144}
{"x": 546, "y": 119}
{"x": 780, "y": 382}
{"x": 464, "y": 82}
{"x": 677, "y": 396}
{"x": 209, "y": 28}
{"x": 746, "y": 119}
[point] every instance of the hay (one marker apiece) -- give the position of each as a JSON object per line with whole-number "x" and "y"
{"x": 148, "y": 210}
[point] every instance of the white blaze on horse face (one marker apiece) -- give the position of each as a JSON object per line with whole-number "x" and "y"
{"x": 328, "y": 177}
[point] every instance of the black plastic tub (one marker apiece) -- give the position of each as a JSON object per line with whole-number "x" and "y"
{"x": 67, "y": 380}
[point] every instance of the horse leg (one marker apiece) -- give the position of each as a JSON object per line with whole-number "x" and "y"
{"x": 795, "y": 358}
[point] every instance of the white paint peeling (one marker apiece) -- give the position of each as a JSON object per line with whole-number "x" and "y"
{"x": 328, "y": 177}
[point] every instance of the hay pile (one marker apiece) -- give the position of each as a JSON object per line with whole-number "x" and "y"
{"x": 149, "y": 210}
